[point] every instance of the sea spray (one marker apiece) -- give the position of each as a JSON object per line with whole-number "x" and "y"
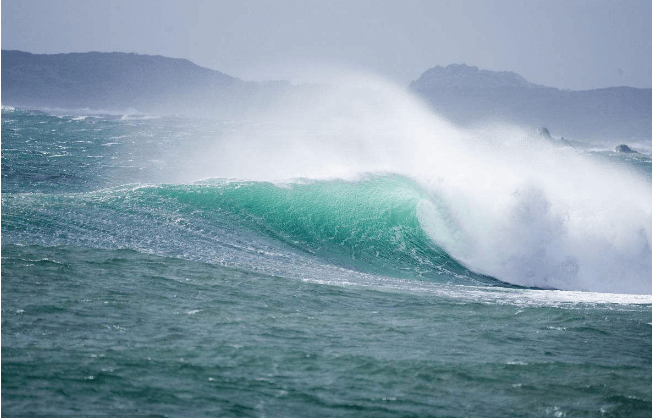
{"x": 518, "y": 207}
{"x": 501, "y": 201}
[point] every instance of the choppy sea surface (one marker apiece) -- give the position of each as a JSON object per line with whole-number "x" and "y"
{"x": 138, "y": 277}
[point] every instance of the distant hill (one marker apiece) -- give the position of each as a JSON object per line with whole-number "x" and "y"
{"x": 467, "y": 95}
{"x": 464, "y": 76}
{"x": 119, "y": 81}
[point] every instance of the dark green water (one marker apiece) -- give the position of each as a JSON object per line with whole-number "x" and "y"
{"x": 128, "y": 289}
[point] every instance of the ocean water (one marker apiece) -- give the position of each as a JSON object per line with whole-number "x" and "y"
{"x": 373, "y": 262}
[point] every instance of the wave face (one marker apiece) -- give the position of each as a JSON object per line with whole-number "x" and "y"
{"x": 370, "y": 225}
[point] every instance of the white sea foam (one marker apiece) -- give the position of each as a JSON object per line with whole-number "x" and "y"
{"x": 489, "y": 295}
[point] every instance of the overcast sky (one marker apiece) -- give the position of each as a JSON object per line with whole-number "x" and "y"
{"x": 565, "y": 44}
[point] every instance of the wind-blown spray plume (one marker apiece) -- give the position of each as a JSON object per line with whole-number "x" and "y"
{"x": 501, "y": 201}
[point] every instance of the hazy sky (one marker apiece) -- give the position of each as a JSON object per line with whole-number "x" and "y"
{"x": 565, "y": 44}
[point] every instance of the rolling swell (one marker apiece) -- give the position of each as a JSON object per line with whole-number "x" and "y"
{"x": 370, "y": 225}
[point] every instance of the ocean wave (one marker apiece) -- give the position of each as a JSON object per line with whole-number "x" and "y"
{"x": 380, "y": 224}
{"x": 369, "y": 226}
{"x": 385, "y": 186}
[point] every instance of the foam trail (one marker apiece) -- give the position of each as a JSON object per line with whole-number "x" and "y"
{"x": 503, "y": 202}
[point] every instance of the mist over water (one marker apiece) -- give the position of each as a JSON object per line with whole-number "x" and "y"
{"x": 501, "y": 200}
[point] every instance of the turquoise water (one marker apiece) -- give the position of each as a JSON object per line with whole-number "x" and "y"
{"x": 133, "y": 285}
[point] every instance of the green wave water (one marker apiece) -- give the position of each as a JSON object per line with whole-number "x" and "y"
{"x": 370, "y": 225}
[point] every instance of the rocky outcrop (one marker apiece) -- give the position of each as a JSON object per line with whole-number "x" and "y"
{"x": 625, "y": 149}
